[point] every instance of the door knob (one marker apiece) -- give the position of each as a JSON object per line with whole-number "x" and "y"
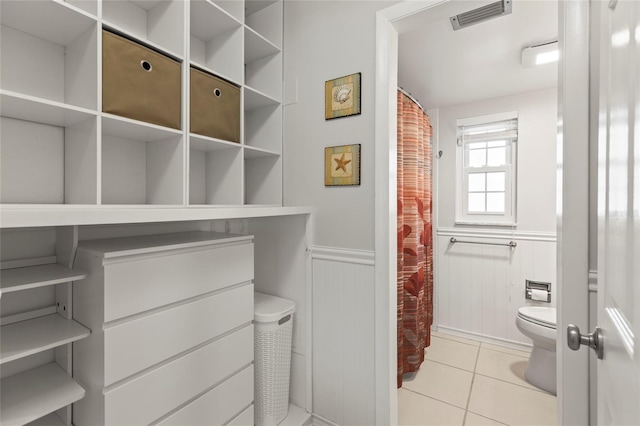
{"x": 594, "y": 340}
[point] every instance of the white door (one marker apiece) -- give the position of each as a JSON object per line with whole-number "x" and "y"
{"x": 619, "y": 214}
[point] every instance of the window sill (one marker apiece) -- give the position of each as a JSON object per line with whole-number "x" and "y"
{"x": 485, "y": 223}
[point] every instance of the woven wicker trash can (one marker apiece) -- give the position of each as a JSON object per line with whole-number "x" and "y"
{"x": 273, "y": 317}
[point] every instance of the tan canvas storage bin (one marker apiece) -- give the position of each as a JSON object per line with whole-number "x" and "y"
{"x": 215, "y": 107}
{"x": 140, "y": 83}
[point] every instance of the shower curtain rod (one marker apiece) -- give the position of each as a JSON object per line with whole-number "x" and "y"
{"x": 410, "y": 96}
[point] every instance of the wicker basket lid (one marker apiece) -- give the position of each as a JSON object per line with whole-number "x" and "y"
{"x": 269, "y": 308}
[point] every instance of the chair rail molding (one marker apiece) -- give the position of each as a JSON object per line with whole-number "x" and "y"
{"x": 361, "y": 257}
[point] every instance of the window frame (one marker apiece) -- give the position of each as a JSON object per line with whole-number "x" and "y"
{"x": 463, "y": 216}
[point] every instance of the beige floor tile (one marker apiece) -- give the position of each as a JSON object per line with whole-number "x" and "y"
{"x": 505, "y": 350}
{"x": 475, "y": 420}
{"x": 503, "y": 366}
{"x": 455, "y": 338}
{"x": 418, "y": 410}
{"x": 452, "y": 353}
{"x": 442, "y": 382}
{"x": 511, "y": 404}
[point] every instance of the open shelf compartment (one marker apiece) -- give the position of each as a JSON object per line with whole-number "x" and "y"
{"x": 141, "y": 163}
{"x": 234, "y": 8}
{"x": 263, "y": 126}
{"x": 35, "y": 393}
{"x": 47, "y": 163}
{"x": 265, "y": 18}
{"x": 156, "y": 22}
{"x": 216, "y": 40}
{"x": 264, "y": 75}
{"x": 263, "y": 179}
{"x": 39, "y": 334}
{"x": 49, "y": 50}
{"x": 215, "y": 171}
{"x": 18, "y": 279}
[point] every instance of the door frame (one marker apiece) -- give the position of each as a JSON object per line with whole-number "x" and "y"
{"x": 572, "y": 206}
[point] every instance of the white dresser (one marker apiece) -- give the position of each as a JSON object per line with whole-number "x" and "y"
{"x": 171, "y": 335}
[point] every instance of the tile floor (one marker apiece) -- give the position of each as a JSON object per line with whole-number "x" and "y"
{"x": 466, "y": 382}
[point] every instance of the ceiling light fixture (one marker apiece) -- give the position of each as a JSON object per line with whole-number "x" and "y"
{"x": 540, "y": 54}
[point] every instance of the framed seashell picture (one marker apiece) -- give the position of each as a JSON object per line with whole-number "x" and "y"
{"x": 342, "y": 96}
{"x": 342, "y": 165}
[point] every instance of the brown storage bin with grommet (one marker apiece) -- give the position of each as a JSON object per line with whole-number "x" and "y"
{"x": 140, "y": 83}
{"x": 215, "y": 107}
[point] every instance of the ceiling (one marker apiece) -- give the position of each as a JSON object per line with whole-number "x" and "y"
{"x": 441, "y": 67}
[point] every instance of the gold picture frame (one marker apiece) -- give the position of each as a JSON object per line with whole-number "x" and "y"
{"x": 342, "y": 96}
{"x": 342, "y": 165}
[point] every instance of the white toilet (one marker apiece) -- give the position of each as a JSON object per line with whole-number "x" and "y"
{"x": 539, "y": 324}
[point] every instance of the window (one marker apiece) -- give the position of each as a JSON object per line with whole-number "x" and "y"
{"x": 486, "y": 169}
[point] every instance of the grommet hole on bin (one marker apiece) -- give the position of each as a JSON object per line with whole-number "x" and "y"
{"x": 217, "y": 92}
{"x": 284, "y": 319}
{"x": 146, "y": 66}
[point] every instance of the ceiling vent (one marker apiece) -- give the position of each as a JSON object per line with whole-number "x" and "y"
{"x": 484, "y": 13}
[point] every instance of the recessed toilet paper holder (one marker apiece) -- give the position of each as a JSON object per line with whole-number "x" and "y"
{"x": 537, "y": 285}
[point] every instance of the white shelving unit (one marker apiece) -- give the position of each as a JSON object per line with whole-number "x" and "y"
{"x": 29, "y": 337}
{"x": 34, "y": 392}
{"x": 18, "y": 279}
{"x": 60, "y": 148}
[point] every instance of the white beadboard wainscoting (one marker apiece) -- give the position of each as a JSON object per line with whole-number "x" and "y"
{"x": 343, "y": 336}
{"x": 480, "y": 287}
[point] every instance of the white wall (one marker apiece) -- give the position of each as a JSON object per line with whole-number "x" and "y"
{"x": 536, "y": 156}
{"x": 480, "y": 288}
{"x": 324, "y": 40}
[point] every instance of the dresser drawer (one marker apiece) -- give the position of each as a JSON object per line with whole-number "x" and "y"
{"x": 219, "y": 405}
{"x": 138, "y": 344}
{"x": 138, "y": 284}
{"x": 244, "y": 419}
{"x": 154, "y": 394}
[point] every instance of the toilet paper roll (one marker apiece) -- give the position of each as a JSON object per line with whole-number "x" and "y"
{"x": 539, "y": 295}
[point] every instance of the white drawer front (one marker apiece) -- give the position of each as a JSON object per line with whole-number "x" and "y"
{"x": 141, "y": 284}
{"x": 218, "y": 405}
{"x": 244, "y": 419}
{"x": 152, "y": 395}
{"x": 138, "y": 344}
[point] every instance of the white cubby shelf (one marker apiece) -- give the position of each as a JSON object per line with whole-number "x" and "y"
{"x": 35, "y": 393}
{"x": 29, "y": 337}
{"x": 34, "y": 386}
{"x": 18, "y": 279}
{"x": 59, "y": 148}
{"x": 158, "y": 23}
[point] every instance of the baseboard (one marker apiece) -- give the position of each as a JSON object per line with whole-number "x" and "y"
{"x": 512, "y": 344}
{"x": 296, "y": 417}
{"x": 317, "y": 420}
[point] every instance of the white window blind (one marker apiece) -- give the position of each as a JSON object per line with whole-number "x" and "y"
{"x": 487, "y": 169}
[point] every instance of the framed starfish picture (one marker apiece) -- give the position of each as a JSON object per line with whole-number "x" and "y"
{"x": 342, "y": 96}
{"x": 342, "y": 165}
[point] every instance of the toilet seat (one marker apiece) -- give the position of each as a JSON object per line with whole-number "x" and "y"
{"x": 542, "y": 316}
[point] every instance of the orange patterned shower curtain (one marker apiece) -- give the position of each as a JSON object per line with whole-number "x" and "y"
{"x": 415, "y": 246}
